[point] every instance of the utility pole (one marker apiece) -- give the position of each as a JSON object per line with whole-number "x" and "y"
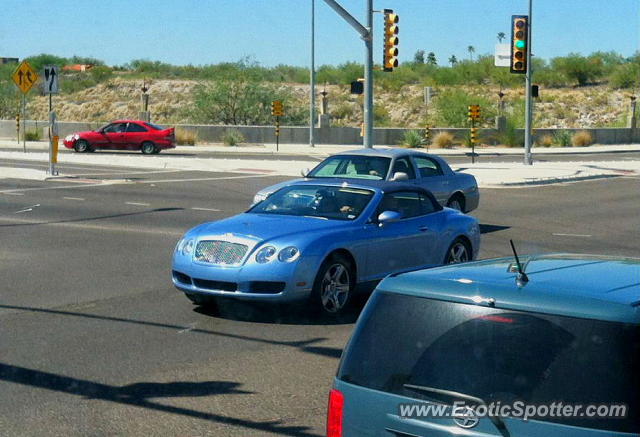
{"x": 529, "y": 102}
{"x": 312, "y": 77}
{"x": 368, "y": 79}
{"x": 366, "y": 33}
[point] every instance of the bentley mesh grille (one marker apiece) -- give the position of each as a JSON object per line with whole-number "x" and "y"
{"x": 220, "y": 252}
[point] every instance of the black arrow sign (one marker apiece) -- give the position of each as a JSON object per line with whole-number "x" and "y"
{"x": 53, "y": 78}
{"x": 20, "y": 74}
{"x": 29, "y": 77}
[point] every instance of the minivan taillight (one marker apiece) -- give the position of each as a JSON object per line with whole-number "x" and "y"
{"x": 334, "y": 413}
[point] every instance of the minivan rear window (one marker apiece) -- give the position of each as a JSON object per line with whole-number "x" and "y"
{"x": 496, "y": 355}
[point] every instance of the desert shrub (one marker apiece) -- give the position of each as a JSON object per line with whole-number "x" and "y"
{"x": 452, "y": 108}
{"x": 550, "y": 78}
{"x": 101, "y": 74}
{"x": 443, "y": 140}
{"x": 32, "y": 135}
{"x": 232, "y": 137}
{"x": 413, "y": 139}
{"x": 381, "y": 116}
{"x": 562, "y": 138}
{"x": 582, "y": 138}
{"x": 511, "y": 137}
{"x": 545, "y": 141}
{"x": 186, "y": 136}
{"x": 625, "y": 75}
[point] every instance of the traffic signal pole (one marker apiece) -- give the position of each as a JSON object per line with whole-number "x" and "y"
{"x": 368, "y": 79}
{"x": 366, "y": 33}
{"x": 529, "y": 104}
{"x": 312, "y": 77}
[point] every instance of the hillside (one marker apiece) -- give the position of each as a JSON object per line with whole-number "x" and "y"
{"x": 171, "y": 99}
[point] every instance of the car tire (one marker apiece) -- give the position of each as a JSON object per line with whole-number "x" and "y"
{"x": 456, "y": 202}
{"x": 148, "y": 148}
{"x": 458, "y": 252}
{"x": 334, "y": 285}
{"x": 82, "y": 146}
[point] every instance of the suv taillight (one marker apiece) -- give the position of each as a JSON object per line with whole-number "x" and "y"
{"x": 334, "y": 413}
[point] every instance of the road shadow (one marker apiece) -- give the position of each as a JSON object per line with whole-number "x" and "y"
{"x": 303, "y": 345}
{"x": 282, "y": 314}
{"x": 139, "y": 395}
{"x": 487, "y": 229}
{"x": 88, "y": 219}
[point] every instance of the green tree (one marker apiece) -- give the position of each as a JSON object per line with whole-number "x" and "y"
{"x": 579, "y": 69}
{"x": 242, "y": 99}
{"x": 418, "y": 58}
{"x": 471, "y": 50}
{"x": 501, "y": 36}
{"x": 431, "y": 59}
{"x": 453, "y": 60}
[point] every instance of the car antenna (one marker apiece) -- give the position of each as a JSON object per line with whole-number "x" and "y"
{"x": 522, "y": 276}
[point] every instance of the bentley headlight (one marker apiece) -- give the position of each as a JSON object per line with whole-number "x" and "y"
{"x": 187, "y": 246}
{"x": 289, "y": 254}
{"x": 265, "y": 254}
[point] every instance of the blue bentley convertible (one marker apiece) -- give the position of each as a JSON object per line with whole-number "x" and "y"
{"x": 319, "y": 240}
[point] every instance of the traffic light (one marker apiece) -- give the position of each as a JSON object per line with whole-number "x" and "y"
{"x": 391, "y": 41}
{"x": 474, "y": 112}
{"x": 519, "y": 43}
{"x": 276, "y": 108}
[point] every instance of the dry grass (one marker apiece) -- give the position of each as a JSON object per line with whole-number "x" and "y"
{"x": 545, "y": 141}
{"x": 443, "y": 140}
{"x": 186, "y": 136}
{"x": 581, "y": 139}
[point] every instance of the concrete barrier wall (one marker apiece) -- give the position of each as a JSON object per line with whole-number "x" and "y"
{"x": 325, "y": 135}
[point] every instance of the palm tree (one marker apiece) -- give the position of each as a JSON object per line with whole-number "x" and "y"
{"x": 453, "y": 60}
{"x": 431, "y": 59}
{"x": 471, "y": 50}
{"x": 501, "y": 36}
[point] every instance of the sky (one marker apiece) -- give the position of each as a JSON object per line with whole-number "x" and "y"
{"x": 273, "y": 32}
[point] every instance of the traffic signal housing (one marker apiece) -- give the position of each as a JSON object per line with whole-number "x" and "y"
{"x": 519, "y": 43}
{"x": 391, "y": 41}
{"x": 276, "y": 108}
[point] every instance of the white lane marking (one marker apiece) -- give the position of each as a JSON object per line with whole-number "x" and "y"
{"x": 80, "y": 199}
{"x": 157, "y": 231}
{"x": 138, "y": 203}
{"x": 27, "y": 209}
{"x": 165, "y": 181}
{"x": 195, "y": 208}
{"x": 15, "y": 191}
{"x": 572, "y": 235}
{"x": 14, "y": 194}
{"x": 191, "y": 327}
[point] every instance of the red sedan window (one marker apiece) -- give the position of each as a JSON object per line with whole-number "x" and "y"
{"x": 134, "y": 127}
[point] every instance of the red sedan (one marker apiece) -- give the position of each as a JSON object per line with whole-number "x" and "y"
{"x": 124, "y": 134}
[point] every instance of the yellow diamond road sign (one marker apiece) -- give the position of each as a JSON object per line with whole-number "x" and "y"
{"x": 25, "y": 77}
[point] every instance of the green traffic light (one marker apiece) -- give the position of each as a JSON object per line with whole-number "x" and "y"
{"x": 520, "y": 44}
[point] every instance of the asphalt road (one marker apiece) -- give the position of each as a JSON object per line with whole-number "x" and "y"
{"x": 94, "y": 339}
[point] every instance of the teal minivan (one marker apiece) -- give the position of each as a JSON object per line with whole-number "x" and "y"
{"x": 456, "y": 350}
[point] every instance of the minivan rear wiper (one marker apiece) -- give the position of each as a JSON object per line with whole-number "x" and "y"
{"x": 496, "y": 420}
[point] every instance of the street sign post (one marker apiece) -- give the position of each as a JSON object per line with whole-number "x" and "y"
{"x": 24, "y": 77}
{"x": 474, "y": 115}
{"x": 51, "y": 79}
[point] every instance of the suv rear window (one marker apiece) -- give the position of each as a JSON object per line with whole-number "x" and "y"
{"x": 497, "y": 355}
